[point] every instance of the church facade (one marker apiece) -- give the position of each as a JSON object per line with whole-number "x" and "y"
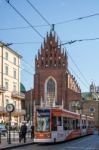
{"x": 54, "y": 85}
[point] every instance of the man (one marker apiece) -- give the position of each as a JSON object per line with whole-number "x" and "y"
{"x": 23, "y": 131}
{"x": 32, "y": 131}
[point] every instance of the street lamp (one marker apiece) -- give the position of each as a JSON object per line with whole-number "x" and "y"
{"x": 10, "y": 108}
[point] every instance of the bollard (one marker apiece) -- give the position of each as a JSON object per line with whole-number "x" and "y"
{"x": 7, "y": 135}
{"x": 13, "y": 135}
{"x": 19, "y": 136}
{"x": 0, "y": 137}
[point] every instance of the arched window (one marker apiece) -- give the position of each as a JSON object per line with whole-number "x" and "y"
{"x": 51, "y": 87}
{"x": 50, "y": 90}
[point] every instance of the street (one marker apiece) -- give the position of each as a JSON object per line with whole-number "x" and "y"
{"x": 84, "y": 143}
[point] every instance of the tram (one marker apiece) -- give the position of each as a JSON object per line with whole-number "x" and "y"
{"x": 57, "y": 125}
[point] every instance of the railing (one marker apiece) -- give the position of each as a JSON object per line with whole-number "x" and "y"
{"x": 22, "y": 111}
{"x": 2, "y": 89}
{"x": 18, "y": 95}
{"x": 14, "y": 138}
{"x": 1, "y": 108}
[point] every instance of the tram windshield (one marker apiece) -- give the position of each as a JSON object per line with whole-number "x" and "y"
{"x": 42, "y": 120}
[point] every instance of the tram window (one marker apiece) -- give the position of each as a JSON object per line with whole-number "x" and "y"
{"x": 77, "y": 124}
{"x": 92, "y": 124}
{"x": 84, "y": 124}
{"x": 54, "y": 124}
{"x": 89, "y": 124}
{"x": 74, "y": 124}
{"x": 59, "y": 121}
{"x": 70, "y": 124}
{"x": 64, "y": 123}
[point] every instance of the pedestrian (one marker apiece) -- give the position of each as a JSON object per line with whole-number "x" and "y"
{"x": 23, "y": 131}
{"x": 32, "y": 131}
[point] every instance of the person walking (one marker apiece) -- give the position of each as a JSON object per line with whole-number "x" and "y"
{"x": 32, "y": 131}
{"x": 23, "y": 131}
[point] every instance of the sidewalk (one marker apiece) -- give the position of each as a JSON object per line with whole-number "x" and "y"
{"x": 14, "y": 143}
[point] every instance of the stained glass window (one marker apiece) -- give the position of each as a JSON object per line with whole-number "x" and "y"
{"x": 51, "y": 89}
{"x": 51, "y": 86}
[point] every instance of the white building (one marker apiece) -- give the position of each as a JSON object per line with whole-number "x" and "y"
{"x": 10, "y": 83}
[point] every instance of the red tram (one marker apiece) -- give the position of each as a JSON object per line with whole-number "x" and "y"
{"x": 56, "y": 125}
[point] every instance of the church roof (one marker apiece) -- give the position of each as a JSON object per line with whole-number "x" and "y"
{"x": 22, "y": 88}
{"x": 90, "y": 96}
{"x": 51, "y": 54}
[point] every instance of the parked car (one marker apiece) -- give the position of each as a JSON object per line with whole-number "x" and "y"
{"x": 3, "y": 129}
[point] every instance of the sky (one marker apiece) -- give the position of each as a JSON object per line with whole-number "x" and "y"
{"x": 83, "y": 57}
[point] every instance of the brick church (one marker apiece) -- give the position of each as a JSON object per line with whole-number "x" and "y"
{"x": 54, "y": 85}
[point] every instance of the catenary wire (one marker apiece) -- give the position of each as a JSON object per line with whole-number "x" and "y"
{"x": 77, "y": 19}
{"x": 47, "y": 22}
{"x": 86, "y": 85}
{"x": 38, "y": 12}
{"x": 81, "y": 40}
{"x": 8, "y": 1}
{"x": 43, "y": 25}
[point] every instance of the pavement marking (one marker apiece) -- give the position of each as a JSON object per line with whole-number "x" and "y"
{"x": 81, "y": 141}
{"x": 70, "y": 147}
{"x": 90, "y": 148}
{"x": 79, "y": 148}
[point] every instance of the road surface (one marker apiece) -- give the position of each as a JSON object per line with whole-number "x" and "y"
{"x": 84, "y": 143}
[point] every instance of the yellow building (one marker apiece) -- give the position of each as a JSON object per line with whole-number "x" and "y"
{"x": 10, "y": 83}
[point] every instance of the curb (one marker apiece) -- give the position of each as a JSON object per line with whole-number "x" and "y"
{"x": 16, "y": 146}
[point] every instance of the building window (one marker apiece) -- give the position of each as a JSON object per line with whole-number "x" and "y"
{"x": 6, "y": 85}
{"x": 7, "y": 101}
{"x": 14, "y": 61}
{"x": 14, "y": 103}
{"x": 91, "y": 109}
{"x": 14, "y": 87}
{"x": 6, "y": 69}
{"x": 14, "y": 73}
{"x": 6, "y": 55}
{"x": 50, "y": 89}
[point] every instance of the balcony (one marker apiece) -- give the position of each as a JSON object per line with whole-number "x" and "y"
{"x": 18, "y": 95}
{"x": 21, "y": 111}
{"x": 2, "y": 89}
{"x": 1, "y": 108}
{"x": 16, "y": 111}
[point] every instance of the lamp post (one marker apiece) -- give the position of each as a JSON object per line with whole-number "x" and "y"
{"x": 10, "y": 108}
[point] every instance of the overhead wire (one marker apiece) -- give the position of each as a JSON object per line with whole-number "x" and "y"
{"x": 87, "y": 86}
{"x": 8, "y": 1}
{"x": 77, "y": 19}
{"x": 38, "y": 12}
{"x": 49, "y": 25}
{"x": 70, "y": 42}
{"x": 77, "y": 68}
{"x": 81, "y": 40}
{"x": 24, "y": 27}
{"x": 26, "y": 43}
{"x": 62, "y": 43}
{"x": 20, "y": 66}
{"x": 61, "y": 22}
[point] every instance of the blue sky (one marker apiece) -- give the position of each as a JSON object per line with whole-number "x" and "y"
{"x": 84, "y": 54}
